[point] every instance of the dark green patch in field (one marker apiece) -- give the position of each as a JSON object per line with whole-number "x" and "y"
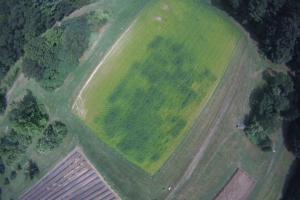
{"x": 145, "y": 110}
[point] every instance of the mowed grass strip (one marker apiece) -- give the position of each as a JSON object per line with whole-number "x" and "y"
{"x": 148, "y": 92}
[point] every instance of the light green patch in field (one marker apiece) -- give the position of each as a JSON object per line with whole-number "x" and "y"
{"x": 148, "y": 92}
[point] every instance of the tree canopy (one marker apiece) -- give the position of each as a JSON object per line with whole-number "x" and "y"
{"x": 28, "y": 115}
{"x": 268, "y": 106}
{"x": 274, "y": 23}
{"x": 49, "y": 58}
{"x": 13, "y": 144}
{"x": 21, "y": 21}
{"x": 3, "y": 101}
{"x": 52, "y": 137}
{"x": 32, "y": 169}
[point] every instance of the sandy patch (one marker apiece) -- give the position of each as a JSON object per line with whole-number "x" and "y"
{"x": 158, "y": 18}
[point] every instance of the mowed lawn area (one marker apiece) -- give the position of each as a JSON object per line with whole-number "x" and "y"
{"x": 146, "y": 95}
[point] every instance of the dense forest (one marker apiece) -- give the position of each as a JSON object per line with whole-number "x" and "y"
{"x": 23, "y": 21}
{"x": 275, "y": 25}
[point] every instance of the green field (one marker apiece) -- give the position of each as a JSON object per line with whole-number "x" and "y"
{"x": 227, "y": 150}
{"x": 151, "y": 88}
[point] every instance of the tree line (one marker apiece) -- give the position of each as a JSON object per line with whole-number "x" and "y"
{"x": 275, "y": 25}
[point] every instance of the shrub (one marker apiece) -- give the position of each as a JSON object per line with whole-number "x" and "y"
{"x": 52, "y": 136}
{"x": 2, "y": 166}
{"x": 13, "y": 175}
{"x": 3, "y": 101}
{"x": 6, "y": 181}
{"x": 32, "y": 169}
{"x": 28, "y": 115}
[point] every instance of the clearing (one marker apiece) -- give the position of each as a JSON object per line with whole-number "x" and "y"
{"x": 144, "y": 96}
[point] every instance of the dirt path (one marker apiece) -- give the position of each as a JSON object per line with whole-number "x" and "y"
{"x": 79, "y": 12}
{"x": 77, "y": 106}
{"x": 214, "y": 125}
{"x": 19, "y": 80}
{"x": 87, "y": 54}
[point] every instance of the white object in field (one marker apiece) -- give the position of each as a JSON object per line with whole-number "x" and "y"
{"x": 240, "y": 126}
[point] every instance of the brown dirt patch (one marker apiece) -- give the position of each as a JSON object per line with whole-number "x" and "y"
{"x": 238, "y": 188}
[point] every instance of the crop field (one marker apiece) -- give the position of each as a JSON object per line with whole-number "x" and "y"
{"x": 73, "y": 178}
{"x": 149, "y": 89}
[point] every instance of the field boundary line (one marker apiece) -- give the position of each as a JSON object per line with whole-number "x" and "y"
{"x": 112, "y": 49}
{"x": 79, "y": 149}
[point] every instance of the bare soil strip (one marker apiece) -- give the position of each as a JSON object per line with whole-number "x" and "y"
{"x": 73, "y": 178}
{"x": 238, "y": 188}
{"x": 79, "y": 12}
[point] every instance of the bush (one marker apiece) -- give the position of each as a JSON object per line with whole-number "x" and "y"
{"x": 13, "y": 175}
{"x": 2, "y": 166}
{"x": 19, "y": 167}
{"x": 32, "y": 169}
{"x": 97, "y": 19}
{"x": 28, "y": 115}
{"x": 6, "y": 181}
{"x": 3, "y": 102}
{"x": 52, "y": 136}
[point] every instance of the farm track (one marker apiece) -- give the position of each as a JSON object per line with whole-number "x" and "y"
{"x": 72, "y": 178}
{"x": 213, "y": 125}
{"x": 78, "y": 105}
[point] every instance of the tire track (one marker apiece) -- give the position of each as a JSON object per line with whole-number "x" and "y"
{"x": 214, "y": 125}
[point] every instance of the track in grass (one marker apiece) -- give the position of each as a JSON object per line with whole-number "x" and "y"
{"x": 148, "y": 91}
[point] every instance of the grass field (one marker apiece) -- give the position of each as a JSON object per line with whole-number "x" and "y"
{"x": 150, "y": 89}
